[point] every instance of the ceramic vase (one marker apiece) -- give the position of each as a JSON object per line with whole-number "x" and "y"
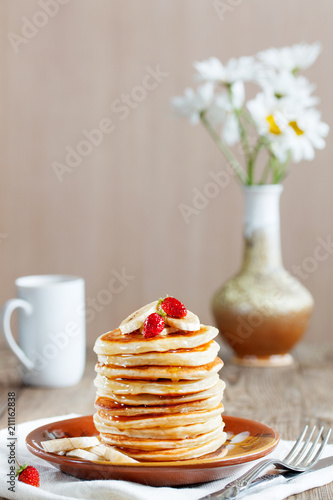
{"x": 263, "y": 311}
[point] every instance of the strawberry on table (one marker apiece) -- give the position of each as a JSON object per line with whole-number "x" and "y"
{"x": 28, "y": 474}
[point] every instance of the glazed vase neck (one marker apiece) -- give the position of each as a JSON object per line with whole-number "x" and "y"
{"x": 262, "y": 250}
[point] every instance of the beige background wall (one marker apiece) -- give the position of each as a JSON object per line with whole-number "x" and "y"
{"x": 119, "y": 208}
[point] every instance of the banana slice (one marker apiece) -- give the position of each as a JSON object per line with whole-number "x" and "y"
{"x": 190, "y": 323}
{"x": 135, "y": 320}
{"x": 98, "y": 450}
{"x": 111, "y": 455}
{"x": 67, "y": 444}
{"x": 86, "y": 455}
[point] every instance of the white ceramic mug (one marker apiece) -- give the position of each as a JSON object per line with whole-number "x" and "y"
{"x": 51, "y": 329}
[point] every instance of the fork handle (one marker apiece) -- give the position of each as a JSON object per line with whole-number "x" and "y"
{"x": 235, "y": 488}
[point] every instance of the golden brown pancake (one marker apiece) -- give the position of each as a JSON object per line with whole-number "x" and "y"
{"x": 156, "y": 400}
{"x": 174, "y": 373}
{"x": 161, "y": 444}
{"x": 163, "y": 420}
{"x": 178, "y": 432}
{"x": 195, "y": 356}
{"x": 160, "y": 387}
{"x": 117, "y": 343}
{"x": 111, "y": 407}
{"x": 177, "y": 454}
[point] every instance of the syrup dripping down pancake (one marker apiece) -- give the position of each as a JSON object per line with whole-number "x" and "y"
{"x": 159, "y": 419}
{"x": 111, "y": 407}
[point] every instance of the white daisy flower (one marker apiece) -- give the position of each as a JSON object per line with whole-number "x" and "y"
{"x": 305, "y": 134}
{"x": 193, "y": 103}
{"x": 285, "y": 85}
{"x": 271, "y": 117}
{"x": 235, "y": 69}
{"x": 294, "y": 58}
{"x": 289, "y": 130}
{"x": 270, "y": 114}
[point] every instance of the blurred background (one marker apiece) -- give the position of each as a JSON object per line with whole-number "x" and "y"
{"x": 108, "y": 208}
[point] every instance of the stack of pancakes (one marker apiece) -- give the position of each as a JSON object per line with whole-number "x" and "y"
{"x": 159, "y": 398}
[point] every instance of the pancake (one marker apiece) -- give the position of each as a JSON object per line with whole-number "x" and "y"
{"x": 158, "y": 387}
{"x": 174, "y": 373}
{"x": 161, "y": 444}
{"x": 179, "y": 432}
{"x": 195, "y": 356}
{"x": 113, "y": 408}
{"x": 117, "y": 343}
{"x": 159, "y": 419}
{"x": 177, "y": 454}
{"x": 152, "y": 400}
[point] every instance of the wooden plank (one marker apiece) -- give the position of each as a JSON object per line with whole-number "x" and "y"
{"x": 270, "y": 395}
{"x": 35, "y": 402}
{"x": 10, "y": 374}
{"x": 316, "y": 377}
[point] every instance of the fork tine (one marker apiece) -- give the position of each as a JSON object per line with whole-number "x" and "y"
{"x": 312, "y": 449}
{"x": 303, "y": 450}
{"x": 321, "y": 449}
{"x": 296, "y": 445}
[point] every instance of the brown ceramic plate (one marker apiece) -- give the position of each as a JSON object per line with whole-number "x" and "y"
{"x": 247, "y": 441}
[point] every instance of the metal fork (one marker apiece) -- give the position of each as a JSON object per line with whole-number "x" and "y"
{"x": 302, "y": 457}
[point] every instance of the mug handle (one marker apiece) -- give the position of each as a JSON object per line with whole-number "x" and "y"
{"x": 7, "y": 311}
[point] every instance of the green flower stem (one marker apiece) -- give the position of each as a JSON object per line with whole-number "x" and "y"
{"x": 245, "y": 145}
{"x": 282, "y": 172}
{"x": 250, "y": 172}
{"x": 260, "y": 143}
{"x": 273, "y": 163}
{"x": 251, "y": 156}
{"x": 277, "y": 168}
{"x": 225, "y": 150}
{"x": 246, "y": 115}
{"x": 266, "y": 172}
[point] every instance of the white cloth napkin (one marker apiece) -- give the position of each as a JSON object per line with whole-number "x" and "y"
{"x": 54, "y": 485}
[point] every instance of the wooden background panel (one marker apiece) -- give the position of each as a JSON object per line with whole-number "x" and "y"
{"x": 118, "y": 209}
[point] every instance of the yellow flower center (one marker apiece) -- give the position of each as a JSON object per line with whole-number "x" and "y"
{"x": 296, "y": 128}
{"x": 273, "y": 128}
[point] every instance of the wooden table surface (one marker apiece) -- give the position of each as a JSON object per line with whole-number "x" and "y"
{"x": 284, "y": 398}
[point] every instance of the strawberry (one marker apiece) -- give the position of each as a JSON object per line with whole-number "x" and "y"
{"x": 153, "y": 325}
{"x": 173, "y": 307}
{"x": 28, "y": 474}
